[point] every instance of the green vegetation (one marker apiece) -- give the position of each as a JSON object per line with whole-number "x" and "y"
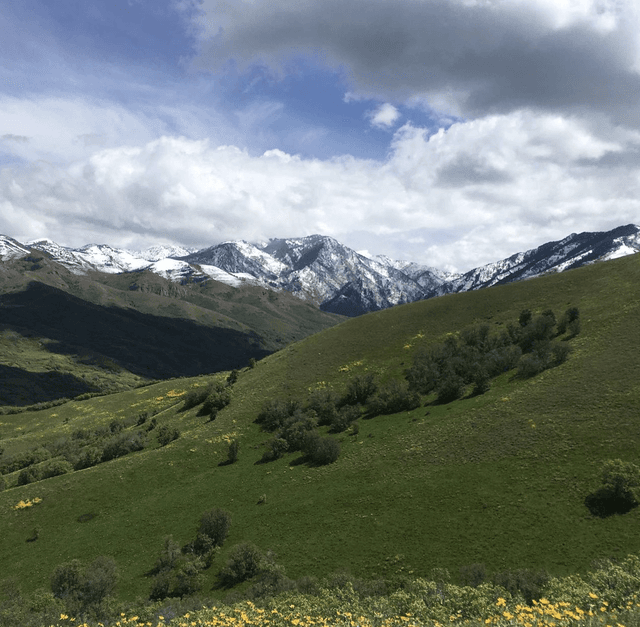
{"x": 66, "y": 336}
{"x": 494, "y": 486}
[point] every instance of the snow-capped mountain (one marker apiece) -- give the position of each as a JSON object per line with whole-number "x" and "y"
{"x": 571, "y": 252}
{"x": 333, "y": 276}
{"x": 10, "y": 248}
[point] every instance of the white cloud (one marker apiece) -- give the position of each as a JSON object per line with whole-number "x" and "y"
{"x": 475, "y": 193}
{"x": 385, "y": 116}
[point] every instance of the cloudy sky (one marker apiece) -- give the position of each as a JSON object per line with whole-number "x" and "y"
{"x": 448, "y": 132}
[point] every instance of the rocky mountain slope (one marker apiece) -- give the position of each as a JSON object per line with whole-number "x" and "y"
{"x": 332, "y": 276}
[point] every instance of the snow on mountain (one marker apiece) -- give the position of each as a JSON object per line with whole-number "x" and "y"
{"x": 571, "y": 252}
{"x": 324, "y": 271}
{"x": 157, "y": 253}
{"x": 10, "y": 248}
{"x": 111, "y": 260}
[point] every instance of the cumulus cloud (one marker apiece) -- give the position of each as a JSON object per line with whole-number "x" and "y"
{"x": 385, "y": 116}
{"x": 477, "y": 192}
{"x": 469, "y": 58}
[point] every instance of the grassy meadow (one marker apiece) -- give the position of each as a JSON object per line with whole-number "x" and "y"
{"x": 498, "y": 479}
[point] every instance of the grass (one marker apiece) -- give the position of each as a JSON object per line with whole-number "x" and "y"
{"x": 498, "y": 479}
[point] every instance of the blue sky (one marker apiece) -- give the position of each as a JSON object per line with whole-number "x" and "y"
{"x": 448, "y": 132}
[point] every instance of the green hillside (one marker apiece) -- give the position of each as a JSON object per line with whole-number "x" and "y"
{"x": 499, "y": 478}
{"x": 62, "y": 334}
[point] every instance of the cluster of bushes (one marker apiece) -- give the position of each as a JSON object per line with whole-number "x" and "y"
{"x": 84, "y": 449}
{"x": 84, "y": 590}
{"x": 178, "y": 571}
{"x": 213, "y": 398}
{"x": 619, "y": 491}
{"x": 295, "y": 429}
{"x": 477, "y": 355}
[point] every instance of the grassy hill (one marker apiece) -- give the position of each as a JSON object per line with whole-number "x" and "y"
{"x": 498, "y": 479}
{"x": 62, "y": 335}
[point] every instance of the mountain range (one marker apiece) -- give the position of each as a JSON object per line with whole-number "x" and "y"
{"x": 330, "y": 275}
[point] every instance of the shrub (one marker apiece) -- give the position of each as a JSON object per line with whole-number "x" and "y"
{"x": 188, "y": 577}
{"x": 54, "y": 468}
{"x": 525, "y": 317}
{"x": 233, "y": 377}
{"x": 215, "y": 523}
{"x": 570, "y": 316}
{"x": 320, "y": 450}
{"x": 530, "y": 365}
{"x": 167, "y": 434}
{"x": 123, "y": 444}
{"x": 450, "y": 387}
{"x": 481, "y": 382}
{"x": 622, "y": 480}
{"x": 28, "y": 475}
{"x": 424, "y": 374}
{"x": 84, "y": 588}
{"x": 89, "y": 456}
{"x": 296, "y": 427}
{"x": 473, "y": 575}
{"x": 195, "y": 397}
{"x": 393, "y": 398}
{"x": 218, "y": 398}
{"x": 99, "y": 580}
{"x": 277, "y": 447}
{"x": 344, "y": 418}
{"x": 325, "y": 405}
{"x": 359, "y": 390}
{"x": 169, "y": 555}
{"x": 527, "y": 582}
{"x": 560, "y": 352}
{"x": 243, "y": 563}
{"x": 232, "y": 453}
{"x": 161, "y": 586}
{"x": 275, "y": 413}
{"x": 66, "y": 580}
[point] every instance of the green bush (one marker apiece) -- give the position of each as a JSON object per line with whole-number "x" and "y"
{"x": 166, "y": 434}
{"x": 320, "y": 450}
{"x": 169, "y": 555}
{"x": 89, "y": 456}
{"x": 243, "y": 563}
{"x": 530, "y": 365}
{"x": 123, "y": 444}
{"x": 344, "y": 418}
{"x": 359, "y": 390}
{"x": 275, "y": 413}
{"x": 526, "y": 582}
{"x": 218, "y": 398}
{"x": 450, "y": 387}
{"x": 188, "y": 577}
{"x": 232, "y": 453}
{"x": 325, "y": 405}
{"x": 215, "y": 524}
{"x": 84, "y": 588}
{"x": 622, "y": 480}
{"x": 393, "y": 398}
{"x": 296, "y": 427}
{"x": 195, "y": 397}
{"x": 276, "y": 448}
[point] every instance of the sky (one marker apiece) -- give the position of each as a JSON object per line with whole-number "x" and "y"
{"x": 451, "y": 133}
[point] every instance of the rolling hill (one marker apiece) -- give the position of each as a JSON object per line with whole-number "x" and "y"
{"x": 499, "y": 478}
{"x": 63, "y": 334}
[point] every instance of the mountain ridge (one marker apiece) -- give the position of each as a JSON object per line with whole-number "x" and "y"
{"x": 321, "y": 270}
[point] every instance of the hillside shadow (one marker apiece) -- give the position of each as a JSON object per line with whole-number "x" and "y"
{"x": 604, "y": 503}
{"x": 147, "y": 345}
{"x": 21, "y": 387}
